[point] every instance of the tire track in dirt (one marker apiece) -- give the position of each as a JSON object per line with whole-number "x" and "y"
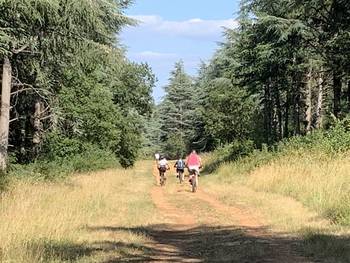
{"x": 254, "y": 226}
{"x": 167, "y": 238}
{"x": 244, "y": 218}
{"x": 179, "y": 217}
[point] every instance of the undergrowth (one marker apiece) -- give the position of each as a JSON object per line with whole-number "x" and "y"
{"x": 60, "y": 167}
{"x": 312, "y": 169}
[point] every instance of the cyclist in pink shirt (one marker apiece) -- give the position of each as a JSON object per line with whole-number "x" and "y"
{"x": 194, "y": 164}
{"x": 194, "y": 161}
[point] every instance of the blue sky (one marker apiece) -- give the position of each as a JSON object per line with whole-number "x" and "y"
{"x": 170, "y": 30}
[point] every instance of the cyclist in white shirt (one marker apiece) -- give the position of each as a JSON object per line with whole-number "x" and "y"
{"x": 163, "y": 165}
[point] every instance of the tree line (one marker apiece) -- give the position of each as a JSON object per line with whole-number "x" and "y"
{"x": 284, "y": 71}
{"x": 67, "y": 86}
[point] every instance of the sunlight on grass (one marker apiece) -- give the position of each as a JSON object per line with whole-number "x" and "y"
{"x": 307, "y": 196}
{"x": 71, "y": 221}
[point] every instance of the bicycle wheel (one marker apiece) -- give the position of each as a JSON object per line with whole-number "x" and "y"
{"x": 162, "y": 179}
{"x": 194, "y": 183}
{"x": 181, "y": 177}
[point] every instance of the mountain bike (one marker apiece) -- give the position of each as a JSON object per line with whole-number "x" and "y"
{"x": 162, "y": 176}
{"x": 194, "y": 179}
{"x": 181, "y": 175}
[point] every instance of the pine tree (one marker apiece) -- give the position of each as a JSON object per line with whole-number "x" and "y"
{"x": 177, "y": 110}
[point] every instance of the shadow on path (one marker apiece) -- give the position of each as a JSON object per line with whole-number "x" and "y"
{"x": 205, "y": 244}
{"x": 177, "y": 243}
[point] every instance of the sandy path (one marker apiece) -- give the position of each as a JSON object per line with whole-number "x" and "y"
{"x": 250, "y": 237}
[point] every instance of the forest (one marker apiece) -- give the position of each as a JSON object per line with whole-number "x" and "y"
{"x": 69, "y": 92}
{"x": 70, "y": 98}
{"x": 269, "y": 114}
{"x": 283, "y": 72}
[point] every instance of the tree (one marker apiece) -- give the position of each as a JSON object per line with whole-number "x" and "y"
{"x": 229, "y": 113}
{"x": 69, "y": 76}
{"x": 177, "y": 108}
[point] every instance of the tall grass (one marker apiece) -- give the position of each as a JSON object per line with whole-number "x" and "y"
{"x": 313, "y": 169}
{"x": 56, "y": 222}
{"x": 301, "y": 186}
{"x": 320, "y": 183}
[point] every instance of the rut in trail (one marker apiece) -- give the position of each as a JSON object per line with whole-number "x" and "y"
{"x": 185, "y": 240}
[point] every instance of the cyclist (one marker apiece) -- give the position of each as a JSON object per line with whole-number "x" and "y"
{"x": 157, "y": 156}
{"x": 194, "y": 164}
{"x": 163, "y": 165}
{"x": 180, "y": 169}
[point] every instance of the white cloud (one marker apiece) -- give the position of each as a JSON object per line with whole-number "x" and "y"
{"x": 192, "y": 28}
{"x": 146, "y": 55}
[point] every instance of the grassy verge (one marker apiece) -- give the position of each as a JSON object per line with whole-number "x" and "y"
{"x": 320, "y": 238}
{"x": 300, "y": 191}
{"x": 81, "y": 219}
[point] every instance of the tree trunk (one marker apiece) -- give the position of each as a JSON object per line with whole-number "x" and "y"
{"x": 5, "y": 112}
{"x": 38, "y": 128}
{"x": 286, "y": 114}
{"x": 319, "y": 102}
{"x": 308, "y": 117}
{"x": 267, "y": 113}
{"x": 336, "y": 92}
{"x": 348, "y": 95}
{"x": 279, "y": 114}
{"x": 37, "y": 124}
{"x": 296, "y": 108}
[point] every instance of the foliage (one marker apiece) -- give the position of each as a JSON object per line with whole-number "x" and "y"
{"x": 229, "y": 114}
{"x": 227, "y": 153}
{"x": 73, "y": 157}
{"x": 175, "y": 146}
{"x": 312, "y": 169}
{"x": 130, "y": 141}
{"x": 151, "y": 136}
{"x": 176, "y": 111}
{"x": 66, "y": 57}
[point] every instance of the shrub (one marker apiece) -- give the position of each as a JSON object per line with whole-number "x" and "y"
{"x": 312, "y": 169}
{"x": 229, "y": 152}
{"x": 3, "y": 181}
{"x": 90, "y": 158}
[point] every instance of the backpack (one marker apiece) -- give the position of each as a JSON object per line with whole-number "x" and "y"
{"x": 180, "y": 164}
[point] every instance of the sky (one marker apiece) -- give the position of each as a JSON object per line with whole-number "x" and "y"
{"x": 170, "y": 30}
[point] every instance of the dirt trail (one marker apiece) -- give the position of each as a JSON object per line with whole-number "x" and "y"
{"x": 254, "y": 227}
{"x": 185, "y": 240}
{"x": 244, "y": 218}
{"x": 179, "y": 217}
{"x": 168, "y": 237}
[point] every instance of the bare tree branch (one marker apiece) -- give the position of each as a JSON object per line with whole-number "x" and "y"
{"x": 21, "y": 49}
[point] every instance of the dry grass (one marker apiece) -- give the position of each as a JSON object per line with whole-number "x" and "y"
{"x": 110, "y": 215}
{"x": 71, "y": 221}
{"x": 297, "y": 195}
{"x": 322, "y": 185}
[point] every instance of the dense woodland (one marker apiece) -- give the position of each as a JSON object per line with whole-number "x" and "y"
{"x": 284, "y": 71}
{"x": 69, "y": 92}
{"x": 67, "y": 87}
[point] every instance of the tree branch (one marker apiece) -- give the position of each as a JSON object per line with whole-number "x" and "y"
{"x": 21, "y": 49}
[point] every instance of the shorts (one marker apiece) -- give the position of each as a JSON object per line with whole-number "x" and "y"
{"x": 193, "y": 167}
{"x": 162, "y": 169}
{"x": 180, "y": 170}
